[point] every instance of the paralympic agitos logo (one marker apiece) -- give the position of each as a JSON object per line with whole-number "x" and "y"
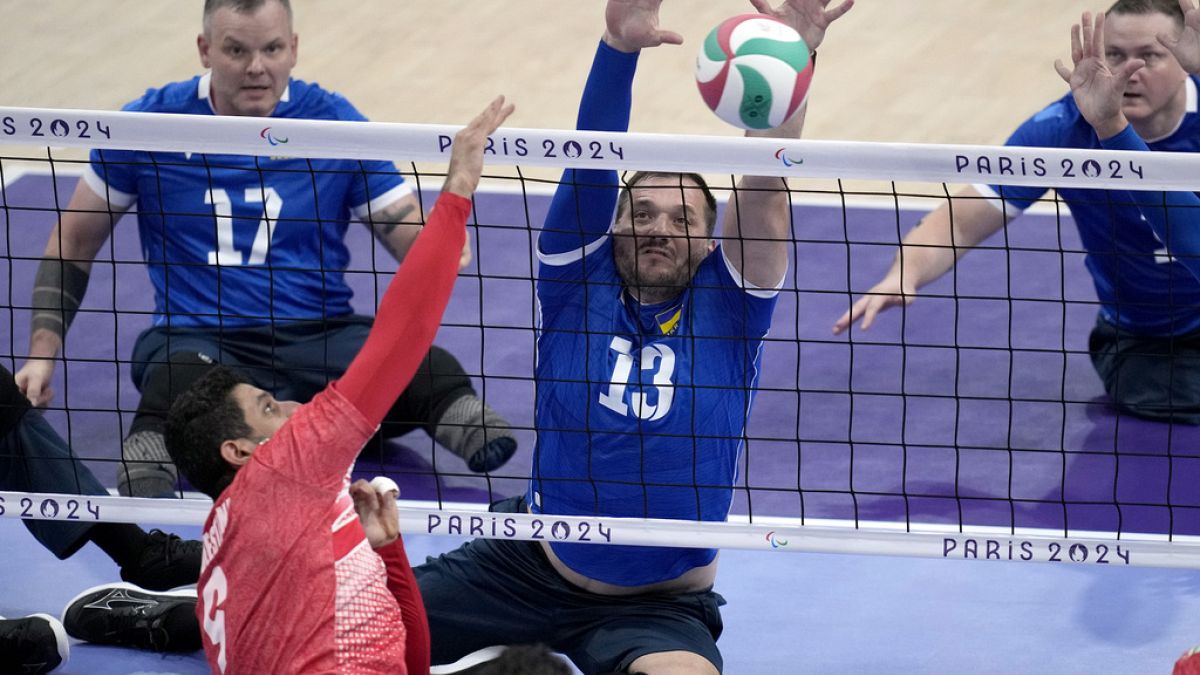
{"x": 781, "y": 155}
{"x": 266, "y": 135}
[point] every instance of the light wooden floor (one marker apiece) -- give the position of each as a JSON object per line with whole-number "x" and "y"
{"x": 939, "y": 71}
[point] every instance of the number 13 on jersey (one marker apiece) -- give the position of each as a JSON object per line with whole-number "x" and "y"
{"x": 658, "y": 359}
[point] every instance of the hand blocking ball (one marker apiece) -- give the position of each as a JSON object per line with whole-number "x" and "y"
{"x": 753, "y": 71}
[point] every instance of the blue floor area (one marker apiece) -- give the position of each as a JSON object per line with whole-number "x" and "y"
{"x": 806, "y": 613}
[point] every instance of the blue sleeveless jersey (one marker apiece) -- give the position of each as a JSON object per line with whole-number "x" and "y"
{"x": 240, "y": 240}
{"x": 1141, "y": 288}
{"x": 641, "y": 409}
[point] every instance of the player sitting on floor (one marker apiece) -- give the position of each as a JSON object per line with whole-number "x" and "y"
{"x": 35, "y": 458}
{"x": 247, "y": 256}
{"x": 289, "y": 582}
{"x": 648, "y": 360}
{"x": 1130, "y": 90}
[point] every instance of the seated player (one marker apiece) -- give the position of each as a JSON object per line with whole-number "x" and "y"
{"x": 648, "y": 358}
{"x": 247, "y": 256}
{"x": 34, "y": 458}
{"x": 290, "y": 581}
{"x": 1130, "y": 90}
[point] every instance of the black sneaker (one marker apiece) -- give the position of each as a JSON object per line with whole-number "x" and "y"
{"x": 35, "y": 644}
{"x": 125, "y": 615}
{"x": 493, "y": 455}
{"x": 167, "y": 562}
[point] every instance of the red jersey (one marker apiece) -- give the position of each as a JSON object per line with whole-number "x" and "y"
{"x": 288, "y": 581}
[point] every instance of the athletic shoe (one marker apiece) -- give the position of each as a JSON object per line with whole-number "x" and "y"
{"x": 474, "y": 431}
{"x": 35, "y": 644}
{"x": 167, "y": 562}
{"x": 125, "y": 615}
{"x": 493, "y": 455}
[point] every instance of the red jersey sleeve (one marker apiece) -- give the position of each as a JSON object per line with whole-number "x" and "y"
{"x": 409, "y": 313}
{"x": 403, "y": 584}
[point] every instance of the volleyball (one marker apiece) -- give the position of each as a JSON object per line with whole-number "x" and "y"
{"x": 753, "y": 71}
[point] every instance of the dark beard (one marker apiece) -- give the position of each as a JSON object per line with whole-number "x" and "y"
{"x": 655, "y": 287}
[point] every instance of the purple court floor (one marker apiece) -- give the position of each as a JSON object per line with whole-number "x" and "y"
{"x": 989, "y": 414}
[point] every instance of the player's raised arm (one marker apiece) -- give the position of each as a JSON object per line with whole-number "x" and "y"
{"x": 583, "y": 204}
{"x": 60, "y": 284}
{"x": 411, "y": 309}
{"x": 1098, "y": 90}
{"x": 758, "y": 221}
{"x": 927, "y": 252}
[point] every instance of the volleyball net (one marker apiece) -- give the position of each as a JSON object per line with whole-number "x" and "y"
{"x": 969, "y": 424}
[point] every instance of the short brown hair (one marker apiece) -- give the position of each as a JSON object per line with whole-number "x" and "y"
{"x": 1167, "y": 7}
{"x": 710, "y": 218}
{"x": 241, "y": 7}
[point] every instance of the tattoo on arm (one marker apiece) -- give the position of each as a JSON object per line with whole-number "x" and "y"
{"x": 386, "y": 222}
{"x": 390, "y": 218}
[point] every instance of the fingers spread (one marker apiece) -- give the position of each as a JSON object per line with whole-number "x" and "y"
{"x": 1063, "y": 71}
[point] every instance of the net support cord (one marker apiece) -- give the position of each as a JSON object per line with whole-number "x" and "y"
{"x": 1043, "y": 167}
{"x": 768, "y": 534}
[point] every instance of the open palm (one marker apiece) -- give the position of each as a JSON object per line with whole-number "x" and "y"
{"x": 633, "y": 25}
{"x": 810, "y": 18}
{"x": 1186, "y": 46}
{"x": 1096, "y": 88}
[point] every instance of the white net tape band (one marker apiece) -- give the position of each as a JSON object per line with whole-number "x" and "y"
{"x": 766, "y": 534}
{"x": 1042, "y": 167}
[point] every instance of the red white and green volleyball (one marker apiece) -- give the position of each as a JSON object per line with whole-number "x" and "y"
{"x": 753, "y": 71}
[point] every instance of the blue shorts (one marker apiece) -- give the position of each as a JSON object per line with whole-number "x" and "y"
{"x": 499, "y": 592}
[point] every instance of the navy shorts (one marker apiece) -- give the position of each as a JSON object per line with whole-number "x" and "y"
{"x": 294, "y": 361}
{"x": 1154, "y": 377}
{"x": 499, "y": 592}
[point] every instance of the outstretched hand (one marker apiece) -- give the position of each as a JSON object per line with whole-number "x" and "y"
{"x": 890, "y": 292}
{"x": 631, "y": 25}
{"x": 1185, "y": 46}
{"x": 1097, "y": 88}
{"x": 466, "y": 154}
{"x": 810, "y": 18}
